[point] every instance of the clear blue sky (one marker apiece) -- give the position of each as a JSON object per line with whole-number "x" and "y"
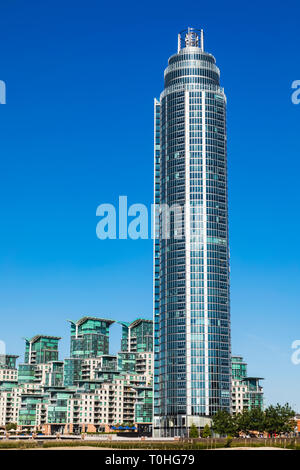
{"x": 77, "y": 131}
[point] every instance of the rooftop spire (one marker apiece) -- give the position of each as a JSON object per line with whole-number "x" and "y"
{"x": 191, "y": 38}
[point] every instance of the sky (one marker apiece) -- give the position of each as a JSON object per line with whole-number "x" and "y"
{"x": 77, "y": 131}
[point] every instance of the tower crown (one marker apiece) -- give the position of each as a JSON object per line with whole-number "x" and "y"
{"x": 191, "y": 37}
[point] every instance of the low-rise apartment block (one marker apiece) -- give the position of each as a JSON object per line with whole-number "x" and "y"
{"x": 90, "y": 391}
{"x": 247, "y": 392}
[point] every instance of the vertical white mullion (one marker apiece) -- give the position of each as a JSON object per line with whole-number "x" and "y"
{"x": 154, "y": 237}
{"x": 129, "y": 339}
{"x": 205, "y": 253}
{"x": 188, "y": 256}
{"x": 165, "y": 272}
{"x": 155, "y": 320}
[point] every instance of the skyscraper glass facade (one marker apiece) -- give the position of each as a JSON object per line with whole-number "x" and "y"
{"x": 141, "y": 336}
{"x": 26, "y": 373}
{"x": 89, "y": 337}
{"x": 137, "y": 336}
{"x": 55, "y": 376}
{"x": 41, "y": 349}
{"x": 8, "y": 361}
{"x": 239, "y": 368}
{"x": 72, "y": 371}
{"x": 156, "y": 257}
{"x": 191, "y": 263}
{"x": 144, "y": 404}
{"x": 126, "y": 361}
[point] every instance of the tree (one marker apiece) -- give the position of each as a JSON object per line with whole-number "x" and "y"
{"x": 10, "y": 426}
{"x": 206, "y": 431}
{"x": 243, "y": 421}
{"x": 275, "y": 420}
{"x": 250, "y": 420}
{"x": 279, "y": 419}
{"x": 224, "y": 423}
{"x": 257, "y": 420}
{"x": 194, "y": 433}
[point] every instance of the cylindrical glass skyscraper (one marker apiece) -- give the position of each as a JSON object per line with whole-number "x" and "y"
{"x": 191, "y": 267}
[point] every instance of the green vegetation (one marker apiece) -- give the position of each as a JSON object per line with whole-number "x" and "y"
{"x": 185, "y": 445}
{"x": 188, "y": 444}
{"x": 206, "y": 431}
{"x": 224, "y": 423}
{"x": 279, "y": 419}
{"x": 11, "y": 426}
{"x": 196, "y": 445}
{"x": 229, "y": 441}
{"x": 18, "y": 444}
{"x": 274, "y": 420}
{"x": 194, "y": 433}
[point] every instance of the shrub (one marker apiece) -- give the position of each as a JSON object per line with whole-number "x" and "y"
{"x": 194, "y": 433}
{"x": 206, "y": 431}
{"x": 18, "y": 445}
{"x": 228, "y": 441}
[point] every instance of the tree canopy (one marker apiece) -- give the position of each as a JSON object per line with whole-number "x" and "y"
{"x": 274, "y": 420}
{"x": 224, "y": 423}
{"x": 194, "y": 433}
{"x": 10, "y": 426}
{"x": 206, "y": 431}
